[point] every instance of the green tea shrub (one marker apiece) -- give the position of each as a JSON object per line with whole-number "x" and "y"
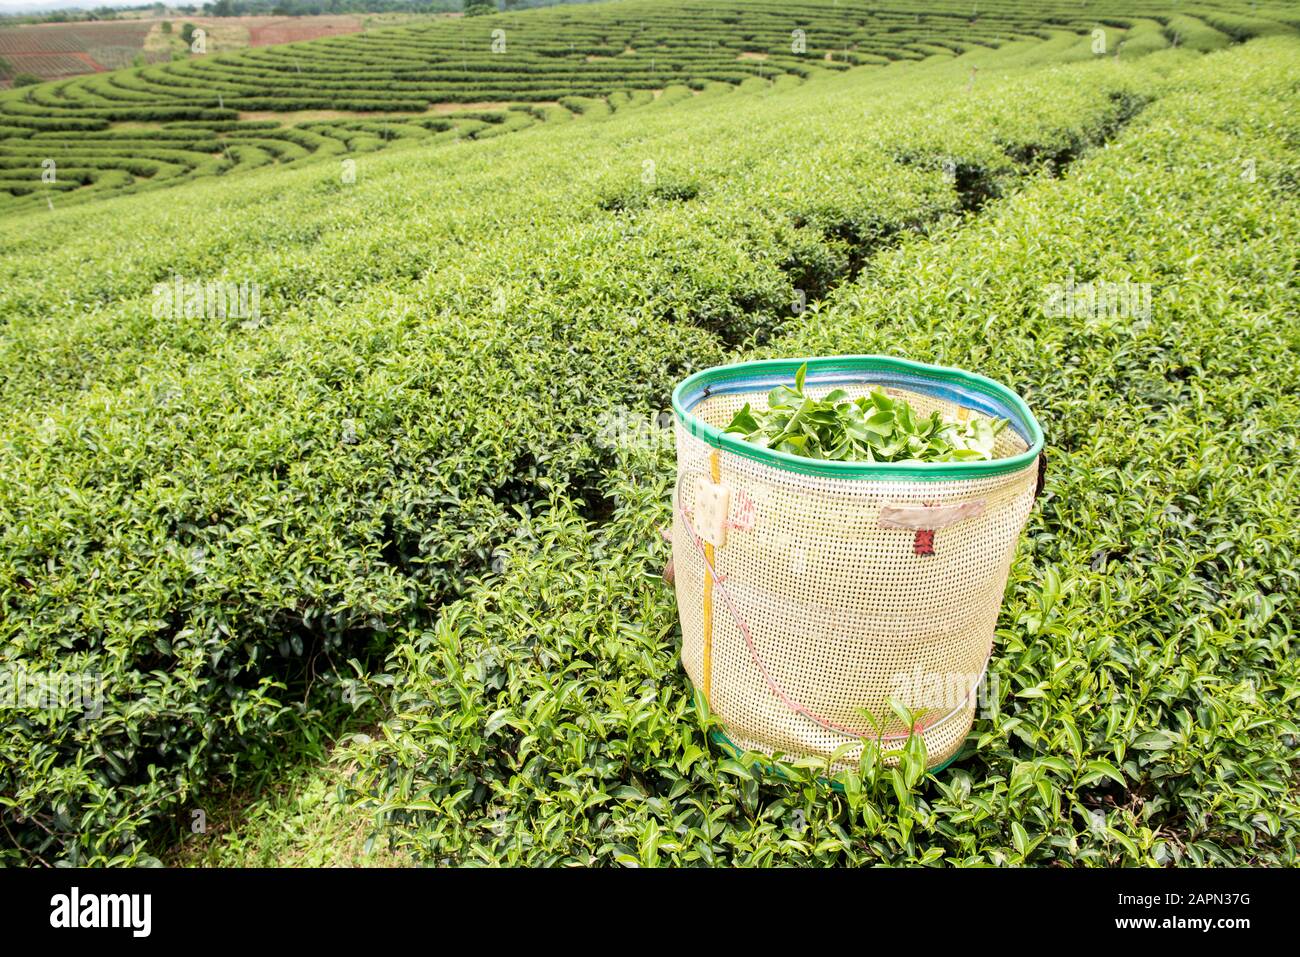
{"x": 1194, "y": 34}
{"x": 1143, "y": 37}
{"x": 598, "y": 58}
{"x": 407, "y": 456}
{"x": 1241, "y": 26}
{"x": 220, "y": 454}
{"x": 1143, "y": 663}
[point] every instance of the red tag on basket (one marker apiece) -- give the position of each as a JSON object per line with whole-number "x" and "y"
{"x": 923, "y": 544}
{"x": 745, "y": 510}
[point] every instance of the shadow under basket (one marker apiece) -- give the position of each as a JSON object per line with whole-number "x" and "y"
{"x": 813, "y": 593}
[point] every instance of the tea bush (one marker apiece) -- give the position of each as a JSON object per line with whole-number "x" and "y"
{"x": 584, "y": 58}
{"x": 1145, "y": 674}
{"x": 247, "y": 524}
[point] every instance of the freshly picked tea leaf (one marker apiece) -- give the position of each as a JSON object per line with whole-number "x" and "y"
{"x": 872, "y": 428}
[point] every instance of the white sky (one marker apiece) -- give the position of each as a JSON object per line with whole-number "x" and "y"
{"x": 27, "y": 6}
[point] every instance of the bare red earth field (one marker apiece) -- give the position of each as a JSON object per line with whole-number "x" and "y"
{"x": 50, "y": 51}
{"x": 53, "y": 50}
{"x": 293, "y": 29}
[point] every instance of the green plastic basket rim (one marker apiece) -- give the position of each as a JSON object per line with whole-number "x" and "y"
{"x": 967, "y": 388}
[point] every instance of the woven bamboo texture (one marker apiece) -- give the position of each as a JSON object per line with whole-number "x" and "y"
{"x": 820, "y": 612}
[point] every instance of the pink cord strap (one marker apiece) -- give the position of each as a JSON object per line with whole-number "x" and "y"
{"x": 776, "y": 689}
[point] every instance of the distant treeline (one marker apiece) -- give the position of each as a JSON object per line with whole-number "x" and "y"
{"x": 301, "y": 8}
{"x": 282, "y": 8}
{"x": 81, "y": 16}
{"x": 294, "y": 8}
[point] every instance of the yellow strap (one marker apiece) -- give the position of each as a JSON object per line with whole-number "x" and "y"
{"x": 708, "y": 595}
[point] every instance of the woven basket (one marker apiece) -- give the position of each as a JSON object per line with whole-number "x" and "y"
{"x": 811, "y": 591}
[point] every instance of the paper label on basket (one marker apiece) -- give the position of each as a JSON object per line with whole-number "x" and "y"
{"x": 712, "y": 504}
{"x": 928, "y": 516}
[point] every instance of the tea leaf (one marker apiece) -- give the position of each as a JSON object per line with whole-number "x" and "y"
{"x": 873, "y": 428}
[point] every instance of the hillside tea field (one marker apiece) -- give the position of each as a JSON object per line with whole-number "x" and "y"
{"x": 447, "y": 80}
{"x": 411, "y": 473}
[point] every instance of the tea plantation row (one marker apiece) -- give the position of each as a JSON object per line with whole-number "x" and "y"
{"x": 145, "y": 128}
{"x": 235, "y": 520}
{"x": 1145, "y": 680}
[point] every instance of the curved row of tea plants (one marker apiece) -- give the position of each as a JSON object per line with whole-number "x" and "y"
{"x": 1145, "y": 678}
{"x": 233, "y": 520}
{"x": 88, "y": 164}
{"x": 216, "y": 512}
{"x": 128, "y": 130}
